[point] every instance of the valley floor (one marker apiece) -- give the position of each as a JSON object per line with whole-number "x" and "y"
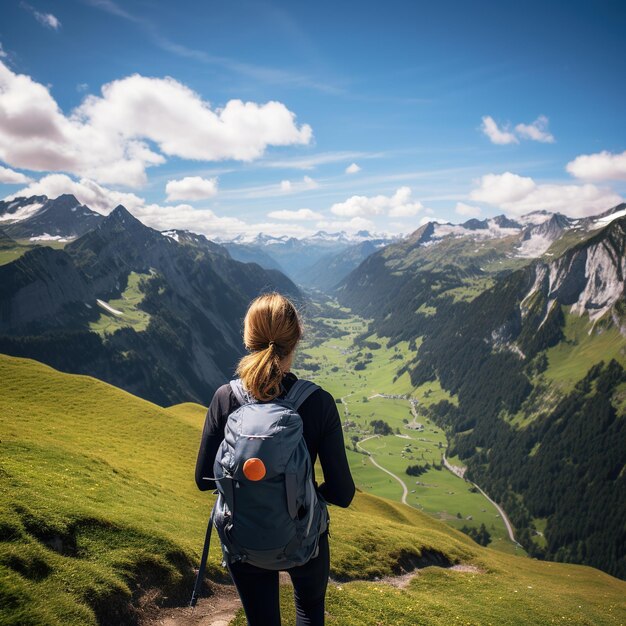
{"x": 375, "y": 392}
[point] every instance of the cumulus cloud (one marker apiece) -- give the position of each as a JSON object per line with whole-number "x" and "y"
{"x": 353, "y": 169}
{"x": 45, "y": 19}
{"x": 3, "y": 54}
{"x": 106, "y": 137}
{"x": 300, "y": 214}
{"x": 87, "y": 192}
{"x": 191, "y": 188}
{"x": 599, "y": 166}
{"x": 11, "y": 177}
{"x": 183, "y": 216}
{"x": 504, "y": 188}
{"x": 495, "y": 134}
{"x": 518, "y": 195}
{"x": 536, "y": 131}
{"x": 398, "y": 205}
{"x": 467, "y": 210}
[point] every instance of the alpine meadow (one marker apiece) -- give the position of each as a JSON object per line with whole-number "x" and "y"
{"x": 440, "y": 189}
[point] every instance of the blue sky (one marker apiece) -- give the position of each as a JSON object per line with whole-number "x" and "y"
{"x": 447, "y": 110}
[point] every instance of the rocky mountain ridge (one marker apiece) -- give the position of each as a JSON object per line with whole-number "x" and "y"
{"x": 174, "y": 334}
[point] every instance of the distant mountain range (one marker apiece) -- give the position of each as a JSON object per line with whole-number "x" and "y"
{"x": 157, "y": 314}
{"x": 319, "y": 261}
{"x": 525, "y": 325}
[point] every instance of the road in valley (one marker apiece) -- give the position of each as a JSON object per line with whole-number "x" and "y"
{"x": 405, "y": 491}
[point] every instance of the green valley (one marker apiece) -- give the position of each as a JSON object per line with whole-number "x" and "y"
{"x": 100, "y": 513}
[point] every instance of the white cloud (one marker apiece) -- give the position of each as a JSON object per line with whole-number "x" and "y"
{"x": 427, "y": 219}
{"x": 398, "y": 205}
{"x": 300, "y": 214}
{"x": 599, "y": 166}
{"x": 191, "y": 188}
{"x": 105, "y": 138}
{"x": 288, "y": 186}
{"x": 11, "y": 177}
{"x": 3, "y": 54}
{"x": 352, "y": 225}
{"x": 353, "y": 169}
{"x": 86, "y": 191}
{"x": 45, "y": 19}
{"x": 537, "y": 131}
{"x": 182, "y": 216}
{"x": 495, "y": 134}
{"x": 499, "y": 189}
{"x": 518, "y": 195}
{"x": 467, "y": 210}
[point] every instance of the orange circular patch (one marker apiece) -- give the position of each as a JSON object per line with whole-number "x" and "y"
{"x": 254, "y": 469}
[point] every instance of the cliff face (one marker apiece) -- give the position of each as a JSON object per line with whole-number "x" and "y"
{"x": 588, "y": 277}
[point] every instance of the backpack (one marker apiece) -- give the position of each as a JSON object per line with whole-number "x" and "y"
{"x": 267, "y": 512}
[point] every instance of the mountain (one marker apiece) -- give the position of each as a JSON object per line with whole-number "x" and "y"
{"x": 5, "y": 240}
{"x": 39, "y": 218}
{"x": 20, "y": 208}
{"x": 297, "y": 257}
{"x": 102, "y": 524}
{"x": 132, "y": 306}
{"x": 247, "y": 253}
{"x": 325, "y": 273}
{"x": 533, "y": 350}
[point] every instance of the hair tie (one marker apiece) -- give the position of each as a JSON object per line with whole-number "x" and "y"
{"x": 270, "y": 344}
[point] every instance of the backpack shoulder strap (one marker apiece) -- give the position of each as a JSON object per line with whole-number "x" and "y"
{"x": 243, "y": 397}
{"x": 300, "y": 391}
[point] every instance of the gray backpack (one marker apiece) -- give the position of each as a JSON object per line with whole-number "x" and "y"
{"x": 267, "y": 511}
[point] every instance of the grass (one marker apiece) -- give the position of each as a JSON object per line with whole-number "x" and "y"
{"x": 569, "y": 361}
{"x": 128, "y": 305}
{"x": 98, "y": 506}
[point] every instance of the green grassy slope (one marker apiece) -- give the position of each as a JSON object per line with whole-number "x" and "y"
{"x": 98, "y": 505}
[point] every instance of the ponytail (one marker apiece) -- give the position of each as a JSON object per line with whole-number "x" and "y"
{"x": 272, "y": 330}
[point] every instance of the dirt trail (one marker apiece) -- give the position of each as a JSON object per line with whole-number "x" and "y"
{"x": 220, "y": 609}
{"x": 217, "y": 610}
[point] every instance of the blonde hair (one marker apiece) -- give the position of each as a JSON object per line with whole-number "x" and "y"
{"x": 271, "y": 331}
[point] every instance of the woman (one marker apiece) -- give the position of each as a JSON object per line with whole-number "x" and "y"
{"x": 272, "y": 330}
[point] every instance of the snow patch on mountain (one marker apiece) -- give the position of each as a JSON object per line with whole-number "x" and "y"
{"x": 24, "y": 212}
{"x": 47, "y": 237}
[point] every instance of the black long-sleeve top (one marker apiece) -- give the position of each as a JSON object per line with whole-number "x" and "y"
{"x": 322, "y": 434}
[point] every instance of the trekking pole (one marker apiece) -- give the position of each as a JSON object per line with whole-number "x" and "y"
{"x": 205, "y": 554}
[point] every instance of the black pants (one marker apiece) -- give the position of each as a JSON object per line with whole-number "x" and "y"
{"x": 258, "y": 590}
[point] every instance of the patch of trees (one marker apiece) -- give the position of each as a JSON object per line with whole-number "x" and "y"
{"x": 381, "y": 427}
{"x": 480, "y": 535}
{"x": 417, "y": 470}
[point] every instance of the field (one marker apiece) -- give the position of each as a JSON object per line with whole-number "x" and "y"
{"x": 127, "y": 305}
{"x": 371, "y": 394}
{"x": 568, "y": 361}
{"x": 99, "y": 511}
